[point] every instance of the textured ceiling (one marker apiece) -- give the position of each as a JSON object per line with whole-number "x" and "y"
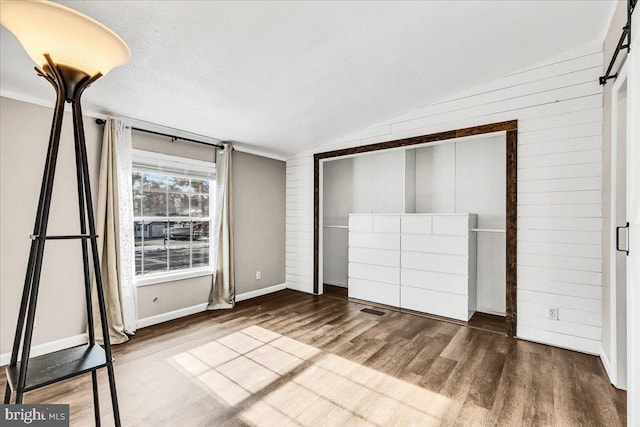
{"x": 285, "y": 77}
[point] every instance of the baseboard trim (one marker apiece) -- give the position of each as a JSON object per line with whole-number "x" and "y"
{"x": 607, "y": 367}
{"x": 198, "y": 308}
{"x": 259, "y": 292}
{"x": 171, "y": 315}
{"x": 49, "y": 347}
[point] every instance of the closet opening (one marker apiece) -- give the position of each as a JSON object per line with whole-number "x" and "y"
{"x": 424, "y": 224}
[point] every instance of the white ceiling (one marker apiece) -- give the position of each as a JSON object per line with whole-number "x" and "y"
{"x": 285, "y": 77}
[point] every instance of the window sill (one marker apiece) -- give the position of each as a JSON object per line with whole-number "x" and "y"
{"x": 155, "y": 279}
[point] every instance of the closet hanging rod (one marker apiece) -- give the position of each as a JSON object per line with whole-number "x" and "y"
{"x": 488, "y": 230}
{"x": 173, "y": 137}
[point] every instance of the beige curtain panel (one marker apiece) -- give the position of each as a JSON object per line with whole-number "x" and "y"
{"x": 114, "y": 226}
{"x": 223, "y": 293}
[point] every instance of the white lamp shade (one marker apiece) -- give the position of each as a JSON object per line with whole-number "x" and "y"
{"x": 69, "y": 37}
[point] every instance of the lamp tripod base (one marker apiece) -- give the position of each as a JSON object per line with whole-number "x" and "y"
{"x": 30, "y": 374}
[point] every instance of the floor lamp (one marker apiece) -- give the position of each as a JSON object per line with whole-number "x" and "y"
{"x": 71, "y": 51}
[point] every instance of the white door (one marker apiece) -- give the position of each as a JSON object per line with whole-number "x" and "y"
{"x": 633, "y": 216}
{"x": 619, "y": 255}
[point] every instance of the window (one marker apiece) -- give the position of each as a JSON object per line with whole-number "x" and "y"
{"x": 172, "y": 210}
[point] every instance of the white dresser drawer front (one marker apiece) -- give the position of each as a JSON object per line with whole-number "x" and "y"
{"x": 374, "y": 240}
{"x": 361, "y": 223}
{"x": 375, "y": 256}
{"x": 454, "y": 264}
{"x": 386, "y": 224}
{"x": 416, "y": 224}
{"x": 376, "y": 273}
{"x": 451, "y": 225}
{"x": 432, "y": 243}
{"x": 438, "y": 303}
{"x": 382, "y": 293}
{"x": 441, "y": 282}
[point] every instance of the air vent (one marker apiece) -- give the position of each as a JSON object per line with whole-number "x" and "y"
{"x": 372, "y": 311}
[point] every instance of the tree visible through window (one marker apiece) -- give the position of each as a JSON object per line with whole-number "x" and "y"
{"x": 172, "y": 222}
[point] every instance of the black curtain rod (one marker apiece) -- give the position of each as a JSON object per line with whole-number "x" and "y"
{"x": 626, "y": 33}
{"x": 173, "y": 137}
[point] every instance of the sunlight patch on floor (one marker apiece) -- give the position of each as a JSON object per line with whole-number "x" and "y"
{"x": 275, "y": 380}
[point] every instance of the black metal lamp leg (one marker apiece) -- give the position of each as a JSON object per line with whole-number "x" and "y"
{"x": 55, "y": 129}
{"x": 87, "y": 275}
{"x": 42, "y": 220}
{"x": 79, "y": 127}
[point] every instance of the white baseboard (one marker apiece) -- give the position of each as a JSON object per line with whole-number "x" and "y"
{"x": 49, "y": 347}
{"x": 171, "y": 315}
{"x": 259, "y": 292}
{"x": 300, "y": 288}
{"x": 607, "y": 366}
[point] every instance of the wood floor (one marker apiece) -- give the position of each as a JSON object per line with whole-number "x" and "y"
{"x": 487, "y": 322}
{"x": 296, "y": 359}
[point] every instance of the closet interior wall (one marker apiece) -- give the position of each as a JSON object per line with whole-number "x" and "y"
{"x": 461, "y": 176}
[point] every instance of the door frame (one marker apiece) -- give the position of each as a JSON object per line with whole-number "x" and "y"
{"x": 613, "y": 213}
{"x": 511, "y": 140}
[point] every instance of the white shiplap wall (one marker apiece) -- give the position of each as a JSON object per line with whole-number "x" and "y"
{"x": 558, "y": 104}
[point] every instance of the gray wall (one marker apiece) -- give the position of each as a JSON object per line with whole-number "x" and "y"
{"x": 24, "y": 132}
{"x": 259, "y": 221}
{"x": 259, "y": 216}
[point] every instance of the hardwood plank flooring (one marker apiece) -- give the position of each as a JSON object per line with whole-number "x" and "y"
{"x": 291, "y": 358}
{"x": 488, "y": 322}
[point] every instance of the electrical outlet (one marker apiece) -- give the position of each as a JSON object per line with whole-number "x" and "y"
{"x": 554, "y": 313}
{"x": 257, "y": 275}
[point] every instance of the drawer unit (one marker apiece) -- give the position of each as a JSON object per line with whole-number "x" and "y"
{"x": 422, "y": 262}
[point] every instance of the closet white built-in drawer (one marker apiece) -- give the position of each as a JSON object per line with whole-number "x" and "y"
{"x": 455, "y": 264}
{"x": 378, "y": 273}
{"x": 416, "y": 224}
{"x": 361, "y": 223}
{"x": 442, "y": 282}
{"x": 451, "y": 224}
{"x": 368, "y": 290}
{"x": 386, "y": 224}
{"x": 437, "y": 244}
{"x": 375, "y": 256}
{"x": 438, "y": 303}
{"x": 374, "y": 240}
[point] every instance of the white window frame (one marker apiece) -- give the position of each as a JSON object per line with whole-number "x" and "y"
{"x": 171, "y": 164}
